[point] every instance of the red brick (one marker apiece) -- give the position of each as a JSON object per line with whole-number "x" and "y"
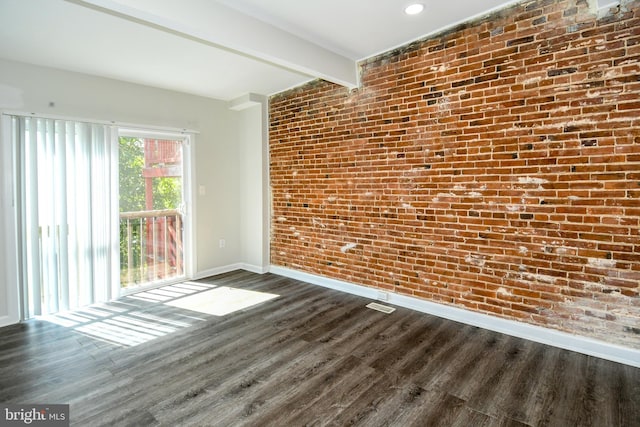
{"x": 505, "y": 183}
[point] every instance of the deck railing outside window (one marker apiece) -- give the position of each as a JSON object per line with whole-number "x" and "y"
{"x": 150, "y": 246}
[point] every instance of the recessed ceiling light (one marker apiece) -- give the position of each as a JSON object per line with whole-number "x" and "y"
{"x": 414, "y": 9}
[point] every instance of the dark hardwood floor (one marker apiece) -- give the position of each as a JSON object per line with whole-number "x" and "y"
{"x": 311, "y": 356}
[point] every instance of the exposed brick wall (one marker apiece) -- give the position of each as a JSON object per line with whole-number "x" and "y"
{"x": 494, "y": 167}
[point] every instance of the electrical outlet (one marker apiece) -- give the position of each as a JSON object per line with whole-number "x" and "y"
{"x": 223, "y": 243}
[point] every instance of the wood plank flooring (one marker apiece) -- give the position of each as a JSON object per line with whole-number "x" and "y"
{"x": 310, "y": 357}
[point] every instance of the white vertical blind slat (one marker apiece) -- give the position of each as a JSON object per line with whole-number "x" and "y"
{"x": 31, "y": 228}
{"x": 68, "y": 204}
{"x": 62, "y": 215}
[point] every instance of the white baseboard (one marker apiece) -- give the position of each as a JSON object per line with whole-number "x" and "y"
{"x": 580, "y": 344}
{"x": 216, "y": 271}
{"x": 228, "y": 268}
{"x": 254, "y": 268}
{"x": 7, "y": 321}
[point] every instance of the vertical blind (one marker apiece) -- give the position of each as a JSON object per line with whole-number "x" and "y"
{"x": 68, "y": 213}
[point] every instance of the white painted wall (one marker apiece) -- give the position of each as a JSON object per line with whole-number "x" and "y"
{"x": 29, "y": 88}
{"x": 253, "y": 209}
{"x": 9, "y": 298}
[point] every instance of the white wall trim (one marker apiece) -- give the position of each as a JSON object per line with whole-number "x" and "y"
{"x": 217, "y": 270}
{"x": 229, "y": 268}
{"x": 254, "y": 268}
{"x": 7, "y": 321}
{"x": 580, "y": 344}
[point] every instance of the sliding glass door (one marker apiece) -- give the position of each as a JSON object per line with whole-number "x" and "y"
{"x": 99, "y": 213}
{"x": 151, "y": 210}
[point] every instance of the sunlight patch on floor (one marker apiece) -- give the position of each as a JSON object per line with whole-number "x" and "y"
{"x": 167, "y": 293}
{"x": 124, "y": 331}
{"x": 124, "y": 322}
{"x": 221, "y": 301}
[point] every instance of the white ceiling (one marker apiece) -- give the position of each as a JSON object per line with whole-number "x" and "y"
{"x": 220, "y": 49}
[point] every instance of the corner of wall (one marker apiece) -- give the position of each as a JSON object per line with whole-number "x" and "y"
{"x": 253, "y": 146}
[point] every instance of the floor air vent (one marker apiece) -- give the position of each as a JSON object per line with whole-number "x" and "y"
{"x": 383, "y": 308}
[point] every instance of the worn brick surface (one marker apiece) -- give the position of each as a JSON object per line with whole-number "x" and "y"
{"x": 494, "y": 167}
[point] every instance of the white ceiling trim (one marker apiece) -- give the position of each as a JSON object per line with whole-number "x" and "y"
{"x": 216, "y": 24}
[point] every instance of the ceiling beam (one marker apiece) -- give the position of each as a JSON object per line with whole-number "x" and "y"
{"x": 220, "y": 26}
{"x": 245, "y": 101}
